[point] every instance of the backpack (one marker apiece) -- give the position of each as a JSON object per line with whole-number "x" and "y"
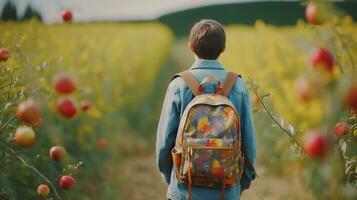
{"x": 207, "y": 151}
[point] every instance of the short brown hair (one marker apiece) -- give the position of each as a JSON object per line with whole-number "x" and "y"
{"x": 208, "y": 39}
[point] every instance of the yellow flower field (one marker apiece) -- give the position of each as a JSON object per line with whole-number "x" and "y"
{"x": 122, "y": 70}
{"x": 115, "y": 66}
{"x": 277, "y": 57}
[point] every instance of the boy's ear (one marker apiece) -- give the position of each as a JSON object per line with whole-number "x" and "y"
{"x": 224, "y": 48}
{"x": 189, "y": 45}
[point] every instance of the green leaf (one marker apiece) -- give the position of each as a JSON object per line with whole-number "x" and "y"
{"x": 8, "y": 104}
{"x": 281, "y": 120}
{"x": 351, "y": 150}
{"x": 290, "y": 129}
{"x": 343, "y": 146}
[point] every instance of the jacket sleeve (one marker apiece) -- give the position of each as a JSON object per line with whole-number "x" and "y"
{"x": 167, "y": 130}
{"x": 248, "y": 139}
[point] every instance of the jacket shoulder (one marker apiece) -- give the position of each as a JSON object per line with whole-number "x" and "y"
{"x": 176, "y": 84}
{"x": 240, "y": 86}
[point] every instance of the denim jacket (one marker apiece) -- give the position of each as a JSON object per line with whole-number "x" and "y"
{"x": 177, "y": 97}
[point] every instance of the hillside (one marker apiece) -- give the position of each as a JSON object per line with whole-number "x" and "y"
{"x": 271, "y": 12}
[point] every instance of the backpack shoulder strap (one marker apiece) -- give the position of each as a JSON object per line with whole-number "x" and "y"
{"x": 190, "y": 81}
{"x": 229, "y": 83}
{"x": 227, "y": 87}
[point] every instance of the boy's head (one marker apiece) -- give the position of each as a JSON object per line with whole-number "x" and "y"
{"x": 207, "y": 39}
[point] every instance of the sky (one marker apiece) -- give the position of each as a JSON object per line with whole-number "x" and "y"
{"x": 87, "y": 10}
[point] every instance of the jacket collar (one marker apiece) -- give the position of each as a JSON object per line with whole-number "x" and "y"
{"x": 207, "y": 64}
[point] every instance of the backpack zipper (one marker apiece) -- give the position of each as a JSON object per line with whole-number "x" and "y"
{"x": 190, "y": 149}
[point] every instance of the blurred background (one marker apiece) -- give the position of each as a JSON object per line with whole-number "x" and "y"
{"x": 89, "y": 78}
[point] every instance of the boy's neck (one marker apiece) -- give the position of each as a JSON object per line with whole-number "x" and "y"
{"x": 201, "y": 59}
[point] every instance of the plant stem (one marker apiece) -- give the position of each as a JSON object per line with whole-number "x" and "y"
{"x": 272, "y": 117}
{"x": 8, "y": 93}
{"x": 6, "y": 85}
{"x": 33, "y": 169}
{"x": 344, "y": 48}
{"x": 11, "y": 101}
{"x": 7, "y": 122}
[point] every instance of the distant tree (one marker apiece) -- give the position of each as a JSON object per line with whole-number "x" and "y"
{"x": 9, "y": 11}
{"x": 31, "y": 13}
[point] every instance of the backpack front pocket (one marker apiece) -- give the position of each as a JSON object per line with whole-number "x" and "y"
{"x": 211, "y": 158}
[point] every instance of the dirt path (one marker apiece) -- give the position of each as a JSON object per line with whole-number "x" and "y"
{"x": 141, "y": 181}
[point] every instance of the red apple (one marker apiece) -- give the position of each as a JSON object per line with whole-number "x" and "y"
{"x": 255, "y": 99}
{"x": 303, "y": 89}
{"x": 341, "y": 129}
{"x": 99, "y": 72}
{"x": 102, "y": 143}
{"x": 65, "y": 84}
{"x": 67, "y": 107}
{"x": 85, "y": 105}
{"x": 4, "y": 54}
{"x": 25, "y": 136}
{"x": 57, "y": 153}
{"x": 351, "y": 97}
{"x": 313, "y": 14}
{"x": 315, "y": 144}
{"x": 66, "y": 182}
{"x": 67, "y": 15}
{"x": 309, "y": 88}
{"x": 43, "y": 190}
{"x": 322, "y": 57}
{"x": 28, "y": 112}
{"x": 348, "y": 19}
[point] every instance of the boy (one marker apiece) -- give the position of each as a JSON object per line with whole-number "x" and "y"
{"x": 207, "y": 42}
